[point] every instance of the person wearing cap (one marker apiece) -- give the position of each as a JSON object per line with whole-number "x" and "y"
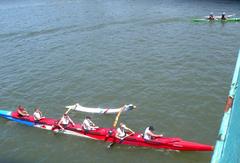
{"x": 211, "y": 17}
{"x": 149, "y": 135}
{"x": 21, "y": 111}
{"x": 223, "y": 16}
{"x": 88, "y": 124}
{"x": 64, "y": 121}
{"x": 37, "y": 115}
{"x": 121, "y": 131}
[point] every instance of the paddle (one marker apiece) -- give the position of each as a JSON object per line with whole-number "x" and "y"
{"x": 68, "y": 111}
{"x": 229, "y": 16}
{"x": 112, "y": 144}
{"x": 115, "y": 124}
{"x": 117, "y": 117}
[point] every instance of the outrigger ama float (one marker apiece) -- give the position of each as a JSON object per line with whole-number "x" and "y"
{"x": 108, "y": 134}
{"x": 78, "y": 107}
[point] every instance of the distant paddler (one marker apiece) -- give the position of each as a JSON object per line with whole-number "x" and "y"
{"x": 223, "y": 17}
{"x": 211, "y": 17}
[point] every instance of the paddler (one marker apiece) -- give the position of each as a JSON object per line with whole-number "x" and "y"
{"x": 37, "y": 115}
{"x": 149, "y": 135}
{"x": 211, "y": 17}
{"x": 88, "y": 124}
{"x": 121, "y": 131}
{"x": 64, "y": 121}
{"x": 22, "y": 111}
{"x": 223, "y": 17}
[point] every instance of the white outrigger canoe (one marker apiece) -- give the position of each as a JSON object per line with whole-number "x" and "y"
{"x": 78, "y": 107}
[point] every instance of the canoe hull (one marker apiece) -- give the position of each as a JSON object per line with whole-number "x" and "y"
{"x": 217, "y": 20}
{"x": 108, "y": 134}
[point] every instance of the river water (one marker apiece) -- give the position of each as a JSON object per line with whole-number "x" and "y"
{"x": 109, "y": 53}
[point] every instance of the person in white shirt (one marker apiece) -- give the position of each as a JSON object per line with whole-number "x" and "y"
{"x": 88, "y": 124}
{"x": 37, "y": 115}
{"x": 121, "y": 131}
{"x": 149, "y": 135}
{"x": 64, "y": 121}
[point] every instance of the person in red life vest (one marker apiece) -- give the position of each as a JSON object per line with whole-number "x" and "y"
{"x": 64, "y": 121}
{"x": 21, "y": 111}
{"x": 37, "y": 115}
{"x": 149, "y": 135}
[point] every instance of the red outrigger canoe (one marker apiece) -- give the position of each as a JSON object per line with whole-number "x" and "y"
{"x": 108, "y": 134}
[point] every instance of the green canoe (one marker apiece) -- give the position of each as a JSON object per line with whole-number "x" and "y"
{"x": 217, "y": 20}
